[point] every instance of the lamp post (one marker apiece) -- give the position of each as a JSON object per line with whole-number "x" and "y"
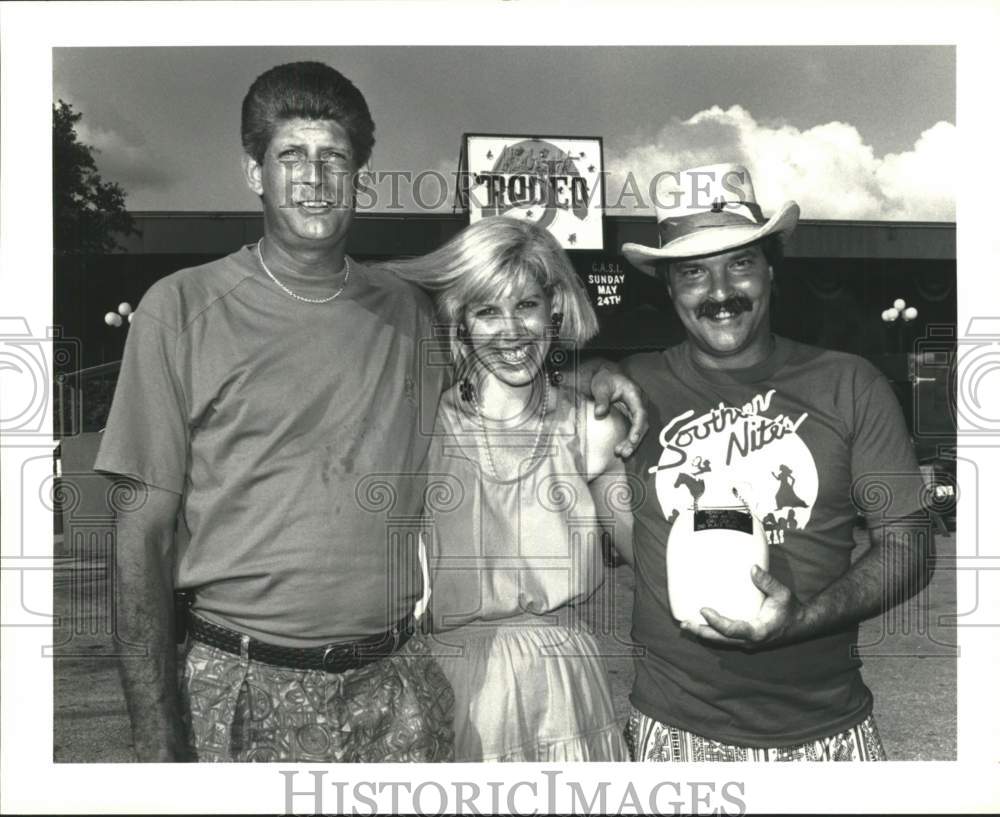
{"x": 118, "y": 318}
{"x": 115, "y": 320}
{"x": 899, "y": 315}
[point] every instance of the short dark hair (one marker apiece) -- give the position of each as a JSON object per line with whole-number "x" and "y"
{"x": 773, "y": 248}
{"x": 305, "y": 90}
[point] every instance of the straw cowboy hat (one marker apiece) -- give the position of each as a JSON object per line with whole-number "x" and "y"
{"x": 708, "y": 210}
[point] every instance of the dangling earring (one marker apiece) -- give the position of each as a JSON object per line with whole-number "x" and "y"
{"x": 556, "y": 356}
{"x": 556, "y": 359}
{"x": 465, "y": 388}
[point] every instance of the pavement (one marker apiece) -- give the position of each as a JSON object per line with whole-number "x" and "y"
{"x": 909, "y": 658}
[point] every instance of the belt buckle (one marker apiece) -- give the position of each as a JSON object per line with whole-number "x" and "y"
{"x": 337, "y": 651}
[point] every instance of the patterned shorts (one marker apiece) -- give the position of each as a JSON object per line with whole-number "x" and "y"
{"x": 649, "y": 740}
{"x": 397, "y": 709}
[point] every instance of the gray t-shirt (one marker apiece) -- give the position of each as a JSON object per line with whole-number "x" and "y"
{"x": 296, "y": 434}
{"x": 814, "y": 437}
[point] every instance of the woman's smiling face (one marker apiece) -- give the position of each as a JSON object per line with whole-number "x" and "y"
{"x": 511, "y": 334}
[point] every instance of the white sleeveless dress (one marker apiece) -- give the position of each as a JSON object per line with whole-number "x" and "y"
{"x": 512, "y": 561}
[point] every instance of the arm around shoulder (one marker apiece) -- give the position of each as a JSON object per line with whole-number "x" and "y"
{"x": 609, "y": 485}
{"x": 602, "y": 434}
{"x": 607, "y": 385}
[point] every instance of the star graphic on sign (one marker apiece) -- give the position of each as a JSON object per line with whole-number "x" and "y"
{"x": 530, "y": 213}
{"x": 489, "y": 154}
{"x": 572, "y": 238}
{"x": 583, "y": 153}
{"x": 590, "y": 169}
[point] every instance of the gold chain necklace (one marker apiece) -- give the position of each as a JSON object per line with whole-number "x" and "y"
{"x": 538, "y": 434}
{"x": 295, "y": 295}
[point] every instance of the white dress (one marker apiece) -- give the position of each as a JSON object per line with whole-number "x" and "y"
{"x": 511, "y": 562}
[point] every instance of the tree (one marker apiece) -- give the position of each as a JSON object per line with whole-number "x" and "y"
{"x": 87, "y": 212}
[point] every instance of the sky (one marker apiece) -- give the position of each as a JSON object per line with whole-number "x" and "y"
{"x": 856, "y": 132}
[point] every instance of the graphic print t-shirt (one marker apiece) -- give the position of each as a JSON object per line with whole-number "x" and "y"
{"x": 810, "y": 437}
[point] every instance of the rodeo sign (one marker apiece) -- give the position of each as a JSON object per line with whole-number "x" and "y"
{"x": 551, "y": 180}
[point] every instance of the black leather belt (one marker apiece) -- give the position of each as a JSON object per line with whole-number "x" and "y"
{"x": 329, "y": 658}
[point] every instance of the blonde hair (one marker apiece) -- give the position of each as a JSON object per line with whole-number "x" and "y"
{"x": 493, "y": 258}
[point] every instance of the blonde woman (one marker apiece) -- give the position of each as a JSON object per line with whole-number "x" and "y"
{"x": 518, "y": 551}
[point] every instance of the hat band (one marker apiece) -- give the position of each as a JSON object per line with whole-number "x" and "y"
{"x": 673, "y": 228}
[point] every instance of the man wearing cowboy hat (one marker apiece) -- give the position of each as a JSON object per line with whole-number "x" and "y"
{"x": 768, "y": 414}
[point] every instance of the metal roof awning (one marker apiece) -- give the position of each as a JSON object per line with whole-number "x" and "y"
{"x": 386, "y": 234}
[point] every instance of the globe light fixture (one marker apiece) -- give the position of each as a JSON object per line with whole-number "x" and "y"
{"x": 117, "y": 319}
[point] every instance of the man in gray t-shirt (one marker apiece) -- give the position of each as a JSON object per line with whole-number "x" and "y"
{"x": 274, "y": 408}
{"x": 808, "y": 438}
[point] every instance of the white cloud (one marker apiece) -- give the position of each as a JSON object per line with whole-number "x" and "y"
{"x": 923, "y": 179}
{"x": 105, "y": 141}
{"x": 828, "y": 169}
{"x": 119, "y": 160}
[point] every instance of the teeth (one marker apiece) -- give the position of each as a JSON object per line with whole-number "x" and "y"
{"x": 315, "y": 203}
{"x": 513, "y": 355}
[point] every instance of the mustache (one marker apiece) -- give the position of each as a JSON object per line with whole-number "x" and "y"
{"x": 735, "y": 304}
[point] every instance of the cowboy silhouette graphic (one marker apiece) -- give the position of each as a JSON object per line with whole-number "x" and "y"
{"x": 696, "y": 487}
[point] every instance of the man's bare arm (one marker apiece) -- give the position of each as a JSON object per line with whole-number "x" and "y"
{"x": 607, "y": 385}
{"x": 610, "y": 491}
{"x": 608, "y": 481}
{"x": 895, "y": 567}
{"x": 145, "y": 569}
